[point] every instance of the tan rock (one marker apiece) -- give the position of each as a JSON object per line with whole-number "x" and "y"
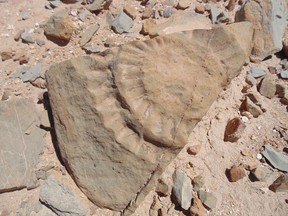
{"x": 130, "y": 11}
{"x": 121, "y": 118}
{"x": 200, "y": 8}
{"x": 252, "y": 108}
{"x": 269, "y": 21}
{"x": 147, "y": 26}
{"x": 280, "y": 184}
{"x": 197, "y": 209}
{"x": 268, "y": 86}
{"x": 148, "y": 12}
{"x": 59, "y": 26}
{"x": 235, "y": 173}
{"x": 6, "y": 55}
{"x": 193, "y": 150}
{"x": 181, "y": 21}
{"x": 183, "y": 4}
{"x": 162, "y": 188}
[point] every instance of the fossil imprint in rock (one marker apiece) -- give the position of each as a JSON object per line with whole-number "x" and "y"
{"x": 122, "y": 117}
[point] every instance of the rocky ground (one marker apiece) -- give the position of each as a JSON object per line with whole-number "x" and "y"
{"x": 235, "y": 160}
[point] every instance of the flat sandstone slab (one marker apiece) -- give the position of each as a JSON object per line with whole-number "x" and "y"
{"x": 121, "y": 118}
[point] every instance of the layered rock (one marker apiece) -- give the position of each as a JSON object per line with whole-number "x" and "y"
{"x": 269, "y": 22}
{"x": 122, "y": 116}
{"x": 21, "y": 142}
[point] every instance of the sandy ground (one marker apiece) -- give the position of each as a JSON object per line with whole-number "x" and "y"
{"x": 243, "y": 197}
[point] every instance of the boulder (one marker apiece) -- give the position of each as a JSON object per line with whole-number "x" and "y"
{"x": 269, "y": 22}
{"x": 59, "y": 26}
{"x": 21, "y": 142}
{"x": 122, "y": 116}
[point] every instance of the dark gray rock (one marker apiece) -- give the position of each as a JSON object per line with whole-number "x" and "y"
{"x": 122, "y": 23}
{"x": 60, "y": 199}
{"x": 277, "y": 159}
{"x": 208, "y": 199}
{"x": 21, "y": 142}
{"x": 182, "y": 189}
{"x": 257, "y": 72}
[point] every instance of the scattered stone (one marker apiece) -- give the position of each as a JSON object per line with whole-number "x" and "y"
{"x": 194, "y": 150}
{"x": 197, "y": 208}
{"x": 257, "y": 72}
{"x": 93, "y": 49}
{"x": 162, "y": 188}
{"x": 182, "y": 189}
{"x": 268, "y": 86}
{"x": 250, "y": 166}
{"x": 245, "y": 152}
{"x": 98, "y": 5}
{"x": 6, "y": 55}
{"x": 83, "y": 15}
{"x": 198, "y": 183}
{"x": 280, "y": 184}
{"x": 269, "y": 21}
{"x": 277, "y": 159}
{"x": 19, "y": 150}
{"x": 252, "y": 108}
{"x": 234, "y": 130}
{"x": 251, "y": 80}
{"x": 235, "y": 173}
{"x": 215, "y": 14}
{"x": 130, "y": 11}
{"x": 88, "y": 34}
{"x": 39, "y": 83}
{"x": 260, "y": 173}
{"x": 284, "y": 74}
{"x": 132, "y": 150}
{"x": 200, "y": 8}
{"x": 147, "y": 26}
{"x": 30, "y": 74}
{"x": 25, "y": 15}
{"x": 27, "y": 37}
{"x": 53, "y": 192}
{"x": 183, "y": 4}
{"x": 122, "y": 23}
{"x": 59, "y": 26}
{"x": 23, "y": 60}
{"x": 167, "y": 12}
{"x": 148, "y": 12}
{"x": 181, "y": 21}
{"x": 40, "y": 42}
{"x": 231, "y": 5}
{"x": 208, "y": 199}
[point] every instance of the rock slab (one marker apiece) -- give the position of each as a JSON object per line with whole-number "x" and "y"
{"x": 122, "y": 116}
{"x": 21, "y": 142}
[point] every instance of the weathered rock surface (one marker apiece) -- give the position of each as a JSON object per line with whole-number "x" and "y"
{"x": 122, "y": 117}
{"x": 280, "y": 184}
{"x": 122, "y": 23}
{"x": 234, "y": 130}
{"x": 269, "y": 21}
{"x": 208, "y": 199}
{"x": 182, "y": 189}
{"x": 268, "y": 86}
{"x": 59, "y": 26}
{"x": 88, "y": 34}
{"x": 181, "y": 21}
{"x": 98, "y": 5}
{"x": 60, "y": 199}
{"x": 21, "y": 142}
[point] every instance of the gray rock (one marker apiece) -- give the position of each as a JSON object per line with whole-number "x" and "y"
{"x": 122, "y": 23}
{"x": 88, "y": 34}
{"x": 260, "y": 173}
{"x": 277, "y": 159}
{"x": 253, "y": 108}
{"x": 40, "y": 42}
{"x": 27, "y": 37}
{"x": 29, "y": 74}
{"x": 198, "y": 182}
{"x": 215, "y": 14}
{"x": 54, "y": 4}
{"x": 268, "y": 86}
{"x": 21, "y": 142}
{"x": 182, "y": 189}
{"x": 208, "y": 199}
{"x": 167, "y": 12}
{"x": 93, "y": 49}
{"x": 83, "y": 15}
{"x": 98, "y": 5}
{"x": 25, "y": 15}
{"x": 269, "y": 21}
{"x": 257, "y": 72}
{"x": 60, "y": 199}
{"x": 284, "y": 74}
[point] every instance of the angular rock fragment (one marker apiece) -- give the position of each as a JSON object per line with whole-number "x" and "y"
{"x": 235, "y": 173}
{"x": 268, "y": 86}
{"x": 59, "y": 26}
{"x": 208, "y": 199}
{"x": 233, "y": 130}
{"x": 269, "y": 21}
{"x": 122, "y": 23}
{"x": 280, "y": 184}
{"x": 121, "y": 117}
{"x": 182, "y": 189}
{"x": 277, "y": 159}
{"x": 88, "y": 34}
{"x": 252, "y": 108}
{"x": 21, "y": 142}
{"x": 197, "y": 209}
{"x": 98, "y": 5}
